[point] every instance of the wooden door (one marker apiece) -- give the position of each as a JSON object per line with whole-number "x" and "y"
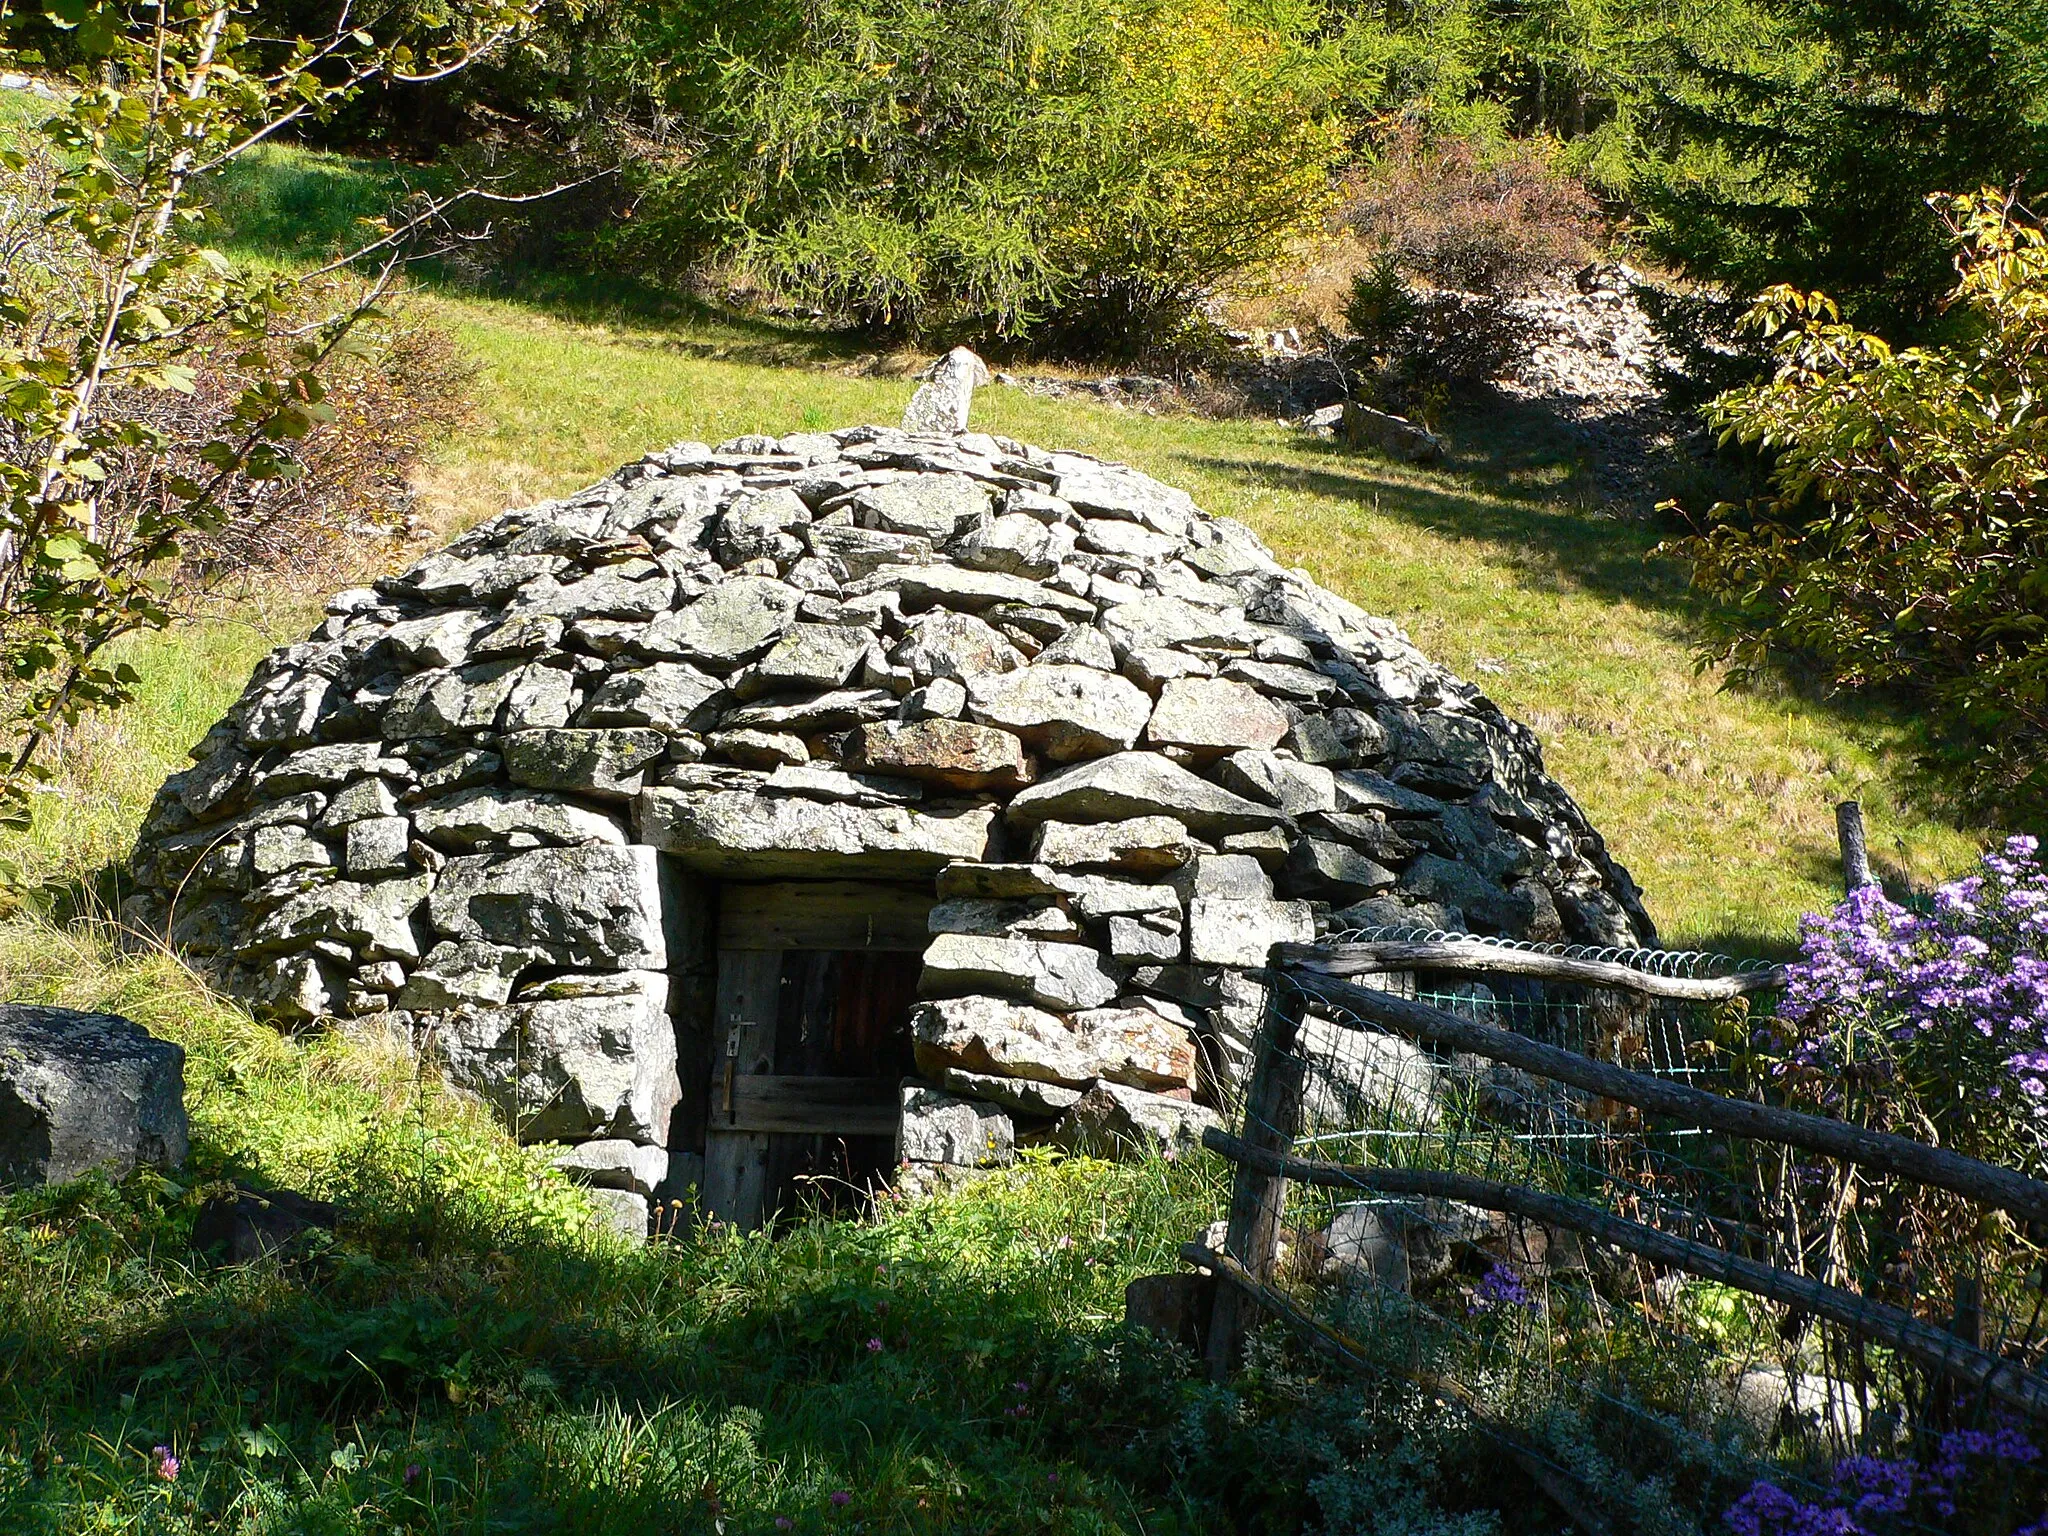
{"x": 815, "y": 987}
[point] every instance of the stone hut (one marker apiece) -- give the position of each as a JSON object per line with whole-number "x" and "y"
{"x": 843, "y": 803}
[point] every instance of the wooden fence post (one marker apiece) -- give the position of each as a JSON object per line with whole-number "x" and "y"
{"x": 1272, "y": 1118}
{"x": 1855, "y": 851}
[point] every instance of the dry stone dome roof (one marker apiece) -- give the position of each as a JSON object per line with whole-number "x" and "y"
{"x": 866, "y": 654}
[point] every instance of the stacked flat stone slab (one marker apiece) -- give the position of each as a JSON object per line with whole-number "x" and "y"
{"x": 1127, "y": 746}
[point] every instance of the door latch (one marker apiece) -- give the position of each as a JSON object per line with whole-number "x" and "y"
{"x": 732, "y": 1065}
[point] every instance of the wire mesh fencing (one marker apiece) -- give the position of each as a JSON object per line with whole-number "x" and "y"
{"x": 1522, "y": 1191}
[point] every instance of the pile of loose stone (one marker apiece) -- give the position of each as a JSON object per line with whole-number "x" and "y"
{"x": 1125, "y": 747}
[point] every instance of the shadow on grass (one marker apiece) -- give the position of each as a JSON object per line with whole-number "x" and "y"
{"x": 286, "y": 206}
{"x": 957, "y": 1367}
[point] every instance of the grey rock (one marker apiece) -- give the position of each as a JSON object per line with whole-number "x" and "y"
{"x": 1137, "y": 1047}
{"x": 1395, "y": 436}
{"x": 1214, "y": 715}
{"x": 1068, "y": 712}
{"x": 1332, "y": 872}
{"x": 737, "y": 619}
{"x": 955, "y": 753}
{"x": 1296, "y": 788}
{"x": 1224, "y": 930}
{"x": 853, "y": 553}
{"x": 371, "y": 918}
{"x": 934, "y": 507}
{"x": 1357, "y": 1078}
{"x": 839, "y": 787}
{"x": 1147, "y": 939}
{"x": 281, "y": 849}
{"x": 666, "y": 696}
{"x": 615, "y": 1164}
{"x": 997, "y": 882}
{"x": 1268, "y": 846}
{"x": 942, "y": 402}
{"x": 1238, "y": 876}
{"x": 620, "y": 1213}
{"x": 465, "y": 974}
{"x": 588, "y": 907}
{"x": 1154, "y": 623}
{"x": 604, "y": 764}
{"x": 358, "y": 801}
{"x": 1129, "y": 784}
{"x": 1051, "y": 975}
{"x": 1016, "y": 544}
{"x": 816, "y": 657}
{"x": 802, "y": 715}
{"x": 943, "y": 586}
{"x": 1145, "y": 844}
{"x": 937, "y": 1127}
{"x": 996, "y": 1036}
{"x": 943, "y": 698}
{"x": 1114, "y": 1121}
{"x": 954, "y": 645}
{"x": 1152, "y": 667}
{"x": 598, "y": 1065}
{"x": 1106, "y": 491}
{"x": 507, "y": 820}
{"x": 1083, "y": 646}
{"x": 1021, "y": 1096}
{"x": 758, "y": 749}
{"x": 377, "y": 845}
{"x": 760, "y": 524}
{"x": 749, "y": 836}
{"x": 83, "y": 1093}
{"x": 1030, "y": 918}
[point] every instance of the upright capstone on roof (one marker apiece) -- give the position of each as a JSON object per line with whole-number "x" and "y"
{"x": 1118, "y": 745}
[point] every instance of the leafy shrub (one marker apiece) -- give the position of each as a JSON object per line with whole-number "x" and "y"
{"x": 1905, "y": 540}
{"x": 1932, "y": 1025}
{"x": 998, "y": 168}
{"x": 1461, "y": 214}
{"x": 401, "y": 385}
{"x": 1428, "y": 338}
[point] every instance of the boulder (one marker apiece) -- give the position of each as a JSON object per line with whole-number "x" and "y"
{"x": 942, "y": 402}
{"x": 589, "y": 1057}
{"x": 955, "y": 753}
{"x": 1020, "y": 1095}
{"x": 737, "y": 619}
{"x": 83, "y": 1093}
{"x": 937, "y": 1127}
{"x": 1144, "y": 844}
{"x": 1052, "y": 975}
{"x": 586, "y": 908}
{"x": 1132, "y": 784}
{"x": 1069, "y": 712}
{"x": 934, "y": 507}
{"x": 743, "y": 835}
{"x": 1396, "y": 436}
{"x": 996, "y": 1037}
{"x": 603, "y": 764}
{"x": 1224, "y": 930}
{"x": 1111, "y": 1120}
{"x": 1213, "y": 715}
{"x": 616, "y": 1164}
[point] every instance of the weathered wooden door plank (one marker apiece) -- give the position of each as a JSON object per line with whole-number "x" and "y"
{"x": 735, "y": 1160}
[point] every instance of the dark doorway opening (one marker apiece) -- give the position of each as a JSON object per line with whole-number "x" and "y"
{"x": 810, "y": 1045}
